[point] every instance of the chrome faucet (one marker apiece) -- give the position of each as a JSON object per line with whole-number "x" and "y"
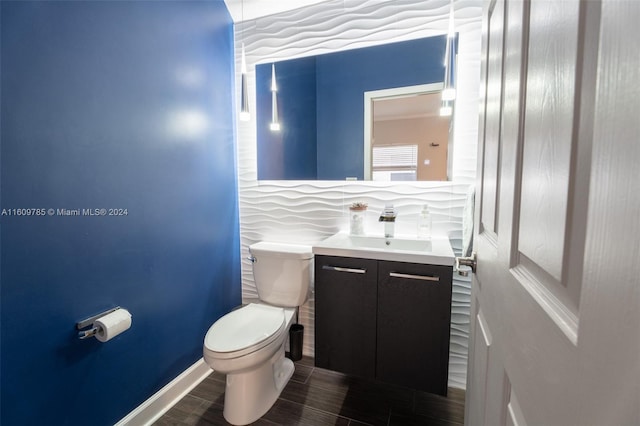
{"x": 388, "y": 216}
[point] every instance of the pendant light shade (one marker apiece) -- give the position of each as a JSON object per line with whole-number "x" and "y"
{"x": 449, "y": 90}
{"x": 275, "y": 124}
{"x": 244, "y": 93}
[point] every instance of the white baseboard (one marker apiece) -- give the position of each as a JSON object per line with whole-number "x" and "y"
{"x": 160, "y": 402}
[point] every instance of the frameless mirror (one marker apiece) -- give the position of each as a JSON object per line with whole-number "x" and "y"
{"x": 321, "y": 112}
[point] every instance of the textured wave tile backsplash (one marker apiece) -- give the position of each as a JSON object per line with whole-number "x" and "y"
{"x": 308, "y": 211}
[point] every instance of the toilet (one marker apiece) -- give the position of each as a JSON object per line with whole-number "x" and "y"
{"x": 248, "y": 344}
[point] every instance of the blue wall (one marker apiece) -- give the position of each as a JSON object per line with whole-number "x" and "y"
{"x": 112, "y": 105}
{"x": 291, "y": 152}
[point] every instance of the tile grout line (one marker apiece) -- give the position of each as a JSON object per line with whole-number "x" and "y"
{"x": 318, "y": 410}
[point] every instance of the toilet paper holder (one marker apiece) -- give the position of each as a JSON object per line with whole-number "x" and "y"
{"x": 85, "y": 334}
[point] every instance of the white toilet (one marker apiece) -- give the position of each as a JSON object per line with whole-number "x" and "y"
{"x": 248, "y": 343}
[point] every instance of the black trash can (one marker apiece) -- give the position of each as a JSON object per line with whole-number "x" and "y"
{"x": 296, "y": 333}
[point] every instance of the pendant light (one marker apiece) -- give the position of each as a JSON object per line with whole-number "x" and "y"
{"x": 275, "y": 125}
{"x": 449, "y": 90}
{"x": 244, "y": 93}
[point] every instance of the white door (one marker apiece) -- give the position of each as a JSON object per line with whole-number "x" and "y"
{"x": 555, "y": 318}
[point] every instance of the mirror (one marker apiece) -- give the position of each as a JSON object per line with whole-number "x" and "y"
{"x": 320, "y": 107}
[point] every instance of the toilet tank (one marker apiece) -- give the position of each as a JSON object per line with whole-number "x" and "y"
{"x": 282, "y": 272}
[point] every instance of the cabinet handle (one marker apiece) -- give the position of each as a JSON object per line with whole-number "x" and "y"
{"x": 414, "y": 277}
{"x": 339, "y": 269}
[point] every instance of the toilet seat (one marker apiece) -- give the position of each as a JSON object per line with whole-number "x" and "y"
{"x": 244, "y": 331}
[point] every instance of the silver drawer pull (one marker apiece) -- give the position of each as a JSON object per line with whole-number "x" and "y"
{"x": 414, "y": 277}
{"x": 339, "y": 269}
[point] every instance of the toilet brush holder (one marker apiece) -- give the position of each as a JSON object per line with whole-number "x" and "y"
{"x": 296, "y": 334}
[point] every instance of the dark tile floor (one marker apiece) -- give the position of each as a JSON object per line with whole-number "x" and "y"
{"x": 315, "y": 396}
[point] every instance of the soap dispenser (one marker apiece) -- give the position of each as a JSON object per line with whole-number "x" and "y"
{"x": 388, "y": 216}
{"x": 424, "y": 223}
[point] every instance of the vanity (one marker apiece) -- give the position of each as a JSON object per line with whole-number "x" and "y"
{"x": 383, "y": 309}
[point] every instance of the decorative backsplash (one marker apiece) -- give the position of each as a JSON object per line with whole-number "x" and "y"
{"x": 308, "y": 211}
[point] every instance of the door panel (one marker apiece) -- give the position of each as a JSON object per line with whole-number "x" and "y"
{"x": 550, "y": 145}
{"x": 549, "y": 136}
{"x": 493, "y": 105}
{"x": 481, "y": 339}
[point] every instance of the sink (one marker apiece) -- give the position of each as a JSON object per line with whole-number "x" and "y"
{"x": 436, "y": 251}
{"x": 389, "y": 243}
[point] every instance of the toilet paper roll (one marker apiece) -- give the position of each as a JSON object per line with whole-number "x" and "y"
{"x": 110, "y": 325}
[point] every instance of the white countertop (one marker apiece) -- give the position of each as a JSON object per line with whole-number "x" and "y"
{"x": 436, "y": 251}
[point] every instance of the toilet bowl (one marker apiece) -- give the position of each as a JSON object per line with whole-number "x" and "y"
{"x": 248, "y": 344}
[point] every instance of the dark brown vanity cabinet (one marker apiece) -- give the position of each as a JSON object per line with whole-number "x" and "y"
{"x": 384, "y": 320}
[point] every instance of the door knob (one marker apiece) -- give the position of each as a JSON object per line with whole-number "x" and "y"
{"x": 471, "y": 261}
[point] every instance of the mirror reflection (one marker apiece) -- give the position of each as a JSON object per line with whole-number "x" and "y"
{"x": 406, "y": 138}
{"x": 321, "y": 104}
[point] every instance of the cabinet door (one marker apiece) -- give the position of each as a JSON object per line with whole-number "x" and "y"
{"x": 414, "y": 312}
{"x": 345, "y": 320}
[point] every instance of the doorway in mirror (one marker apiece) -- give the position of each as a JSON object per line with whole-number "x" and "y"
{"x": 406, "y": 138}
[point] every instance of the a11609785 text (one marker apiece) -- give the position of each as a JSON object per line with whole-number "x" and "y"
{"x": 66, "y": 212}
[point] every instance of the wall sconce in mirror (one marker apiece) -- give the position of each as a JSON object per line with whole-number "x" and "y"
{"x": 274, "y": 126}
{"x": 244, "y": 95}
{"x": 449, "y": 90}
